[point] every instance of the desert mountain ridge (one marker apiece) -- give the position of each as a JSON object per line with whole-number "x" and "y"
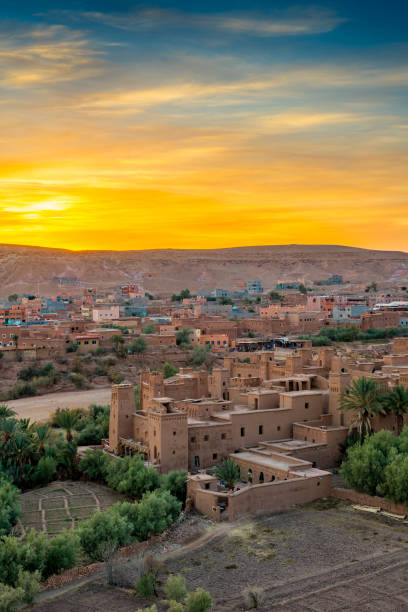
{"x": 28, "y": 269}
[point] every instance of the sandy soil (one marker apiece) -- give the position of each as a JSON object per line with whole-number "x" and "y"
{"x": 40, "y": 407}
{"x": 317, "y": 558}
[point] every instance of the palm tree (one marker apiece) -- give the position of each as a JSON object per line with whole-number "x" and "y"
{"x": 228, "y": 472}
{"x": 6, "y": 412}
{"x": 362, "y": 397}
{"x": 396, "y": 402}
{"x": 43, "y": 434}
{"x": 66, "y": 419}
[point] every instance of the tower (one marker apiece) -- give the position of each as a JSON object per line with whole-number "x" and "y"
{"x": 121, "y": 420}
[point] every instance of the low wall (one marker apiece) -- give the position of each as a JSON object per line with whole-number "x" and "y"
{"x": 279, "y": 495}
{"x": 363, "y": 499}
{"x": 268, "y": 497}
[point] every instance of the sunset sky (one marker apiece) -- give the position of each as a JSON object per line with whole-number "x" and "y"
{"x": 203, "y": 124}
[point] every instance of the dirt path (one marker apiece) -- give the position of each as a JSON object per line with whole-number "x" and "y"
{"x": 40, "y": 407}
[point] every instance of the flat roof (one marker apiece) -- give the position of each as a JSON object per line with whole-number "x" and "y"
{"x": 305, "y": 392}
{"x": 283, "y": 462}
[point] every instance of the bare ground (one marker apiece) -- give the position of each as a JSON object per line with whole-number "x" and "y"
{"x": 318, "y": 557}
{"x": 40, "y": 407}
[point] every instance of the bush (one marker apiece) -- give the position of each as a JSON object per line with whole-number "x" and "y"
{"x": 176, "y": 483}
{"x": 152, "y": 608}
{"x": 131, "y": 477}
{"x": 146, "y": 586}
{"x": 200, "y": 355}
{"x": 253, "y": 597}
{"x": 63, "y": 552}
{"x": 78, "y": 380}
{"x": 199, "y": 601}
{"x": 9, "y": 505}
{"x": 138, "y": 346}
{"x": 149, "y": 328}
{"x": 175, "y": 606}
{"x": 94, "y": 465}
{"x": 29, "y": 582}
{"x": 45, "y": 471}
{"x": 10, "y": 598}
{"x": 169, "y": 370}
{"x": 103, "y": 534}
{"x": 175, "y": 588}
{"x": 156, "y": 511}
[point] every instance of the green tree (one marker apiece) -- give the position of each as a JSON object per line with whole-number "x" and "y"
{"x": 395, "y": 485}
{"x": 138, "y": 346}
{"x": 149, "y": 328}
{"x": 225, "y": 301}
{"x": 94, "y": 464}
{"x": 395, "y": 402}
{"x": 9, "y": 505}
{"x": 6, "y": 412}
{"x": 169, "y": 370}
{"x": 362, "y": 397}
{"x": 201, "y": 355}
{"x": 63, "y": 552}
{"x": 66, "y": 419}
{"x": 183, "y": 336}
{"x": 228, "y": 472}
{"x": 176, "y": 483}
{"x": 274, "y": 296}
{"x": 104, "y": 533}
{"x": 13, "y": 297}
{"x": 302, "y": 289}
{"x": 156, "y": 511}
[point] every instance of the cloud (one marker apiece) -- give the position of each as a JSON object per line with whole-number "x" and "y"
{"x": 46, "y": 54}
{"x": 284, "y": 23}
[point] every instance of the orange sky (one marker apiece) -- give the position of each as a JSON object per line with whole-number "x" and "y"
{"x": 100, "y": 149}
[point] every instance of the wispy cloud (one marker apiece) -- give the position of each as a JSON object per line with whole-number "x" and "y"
{"x": 283, "y": 23}
{"x": 46, "y": 54}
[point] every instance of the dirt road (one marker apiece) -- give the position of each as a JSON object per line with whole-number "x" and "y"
{"x": 40, "y": 407}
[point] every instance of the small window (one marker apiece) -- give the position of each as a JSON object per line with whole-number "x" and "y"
{"x": 278, "y": 428}
{"x": 215, "y": 456}
{"x": 260, "y": 430}
{"x": 223, "y": 436}
{"x": 205, "y": 438}
{"x": 242, "y": 432}
{"x": 207, "y": 485}
{"x": 306, "y": 404}
{"x": 196, "y": 461}
{"x": 174, "y": 433}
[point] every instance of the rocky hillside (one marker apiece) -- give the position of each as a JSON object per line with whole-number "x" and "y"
{"x": 29, "y": 269}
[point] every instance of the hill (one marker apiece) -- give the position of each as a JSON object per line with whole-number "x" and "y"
{"x": 29, "y": 269}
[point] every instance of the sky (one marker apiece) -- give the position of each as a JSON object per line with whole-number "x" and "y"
{"x": 203, "y": 124}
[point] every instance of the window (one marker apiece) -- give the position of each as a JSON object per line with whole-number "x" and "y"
{"x": 260, "y": 430}
{"x": 306, "y": 404}
{"x": 192, "y": 439}
{"x": 242, "y": 432}
{"x": 207, "y": 485}
{"x": 174, "y": 433}
{"x": 196, "y": 461}
{"x": 205, "y": 438}
{"x": 223, "y": 436}
{"x": 278, "y": 428}
{"x": 215, "y": 456}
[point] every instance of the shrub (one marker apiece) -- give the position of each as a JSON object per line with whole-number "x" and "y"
{"x": 176, "y": 483}
{"x": 156, "y": 511}
{"x": 10, "y": 598}
{"x": 131, "y": 477}
{"x": 45, "y": 471}
{"x": 169, "y": 370}
{"x": 78, "y": 380}
{"x": 114, "y": 376}
{"x": 175, "y": 588}
{"x": 175, "y": 606}
{"x": 146, "y": 586}
{"x": 253, "y": 597}
{"x": 138, "y": 346}
{"x": 149, "y": 328}
{"x": 9, "y": 505}
{"x": 63, "y": 552}
{"x": 152, "y": 608}
{"x": 104, "y": 533}
{"x": 199, "y": 601}
{"x": 94, "y": 464}
{"x": 29, "y": 582}
{"x": 200, "y": 355}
